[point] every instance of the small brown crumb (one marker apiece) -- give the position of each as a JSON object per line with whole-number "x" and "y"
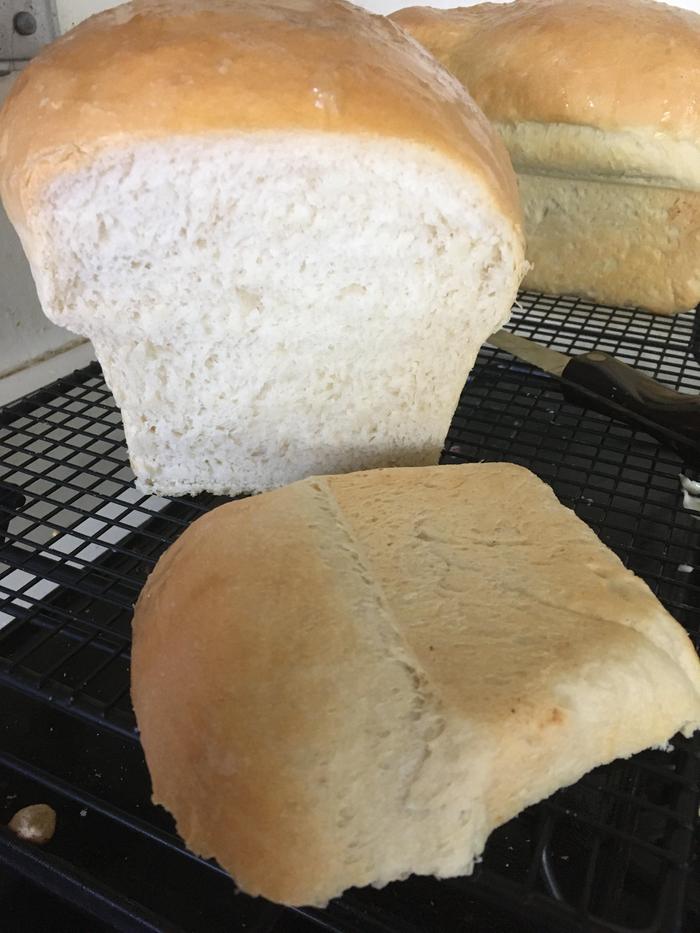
{"x": 36, "y": 823}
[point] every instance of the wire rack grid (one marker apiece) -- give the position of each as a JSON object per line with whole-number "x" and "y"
{"x": 613, "y": 853}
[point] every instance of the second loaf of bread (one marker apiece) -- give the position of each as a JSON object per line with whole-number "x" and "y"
{"x": 286, "y": 229}
{"x": 597, "y": 102}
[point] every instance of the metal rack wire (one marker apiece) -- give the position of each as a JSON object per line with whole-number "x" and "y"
{"x": 613, "y": 853}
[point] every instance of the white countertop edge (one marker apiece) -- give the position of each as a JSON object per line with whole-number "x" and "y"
{"x": 37, "y": 375}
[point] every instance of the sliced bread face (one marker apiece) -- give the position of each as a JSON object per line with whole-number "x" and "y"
{"x": 276, "y": 305}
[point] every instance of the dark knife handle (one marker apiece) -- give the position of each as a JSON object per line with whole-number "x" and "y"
{"x": 609, "y": 385}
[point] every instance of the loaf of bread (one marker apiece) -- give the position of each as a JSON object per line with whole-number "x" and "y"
{"x": 358, "y": 677}
{"x": 598, "y": 102}
{"x": 285, "y": 228}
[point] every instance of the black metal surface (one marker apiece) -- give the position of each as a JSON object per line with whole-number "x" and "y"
{"x": 613, "y": 853}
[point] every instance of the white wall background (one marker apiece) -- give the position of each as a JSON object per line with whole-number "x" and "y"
{"x": 71, "y": 12}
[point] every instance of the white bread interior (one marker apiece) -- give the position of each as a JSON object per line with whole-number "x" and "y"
{"x": 359, "y": 677}
{"x": 277, "y": 305}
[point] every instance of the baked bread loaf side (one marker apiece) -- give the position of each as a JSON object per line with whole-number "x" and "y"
{"x": 598, "y": 102}
{"x": 285, "y": 228}
{"x": 358, "y": 677}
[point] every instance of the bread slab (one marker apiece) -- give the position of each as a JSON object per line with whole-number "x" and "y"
{"x": 598, "y": 104}
{"x": 285, "y": 228}
{"x": 359, "y": 677}
{"x": 619, "y": 244}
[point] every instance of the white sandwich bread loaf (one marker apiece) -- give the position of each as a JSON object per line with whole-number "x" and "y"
{"x": 598, "y": 104}
{"x": 359, "y": 677}
{"x": 284, "y": 227}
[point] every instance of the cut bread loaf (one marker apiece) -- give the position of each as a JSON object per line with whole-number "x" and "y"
{"x": 358, "y": 677}
{"x": 597, "y": 102}
{"x": 285, "y": 228}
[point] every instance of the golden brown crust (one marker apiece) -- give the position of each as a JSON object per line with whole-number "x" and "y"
{"x": 613, "y": 64}
{"x": 329, "y": 677}
{"x": 258, "y": 788}
{"x": 157, "y": 68}
{"x": 598, "y": 102}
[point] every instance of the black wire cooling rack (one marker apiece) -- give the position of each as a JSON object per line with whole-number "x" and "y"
{"x": 612, "y": 854}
